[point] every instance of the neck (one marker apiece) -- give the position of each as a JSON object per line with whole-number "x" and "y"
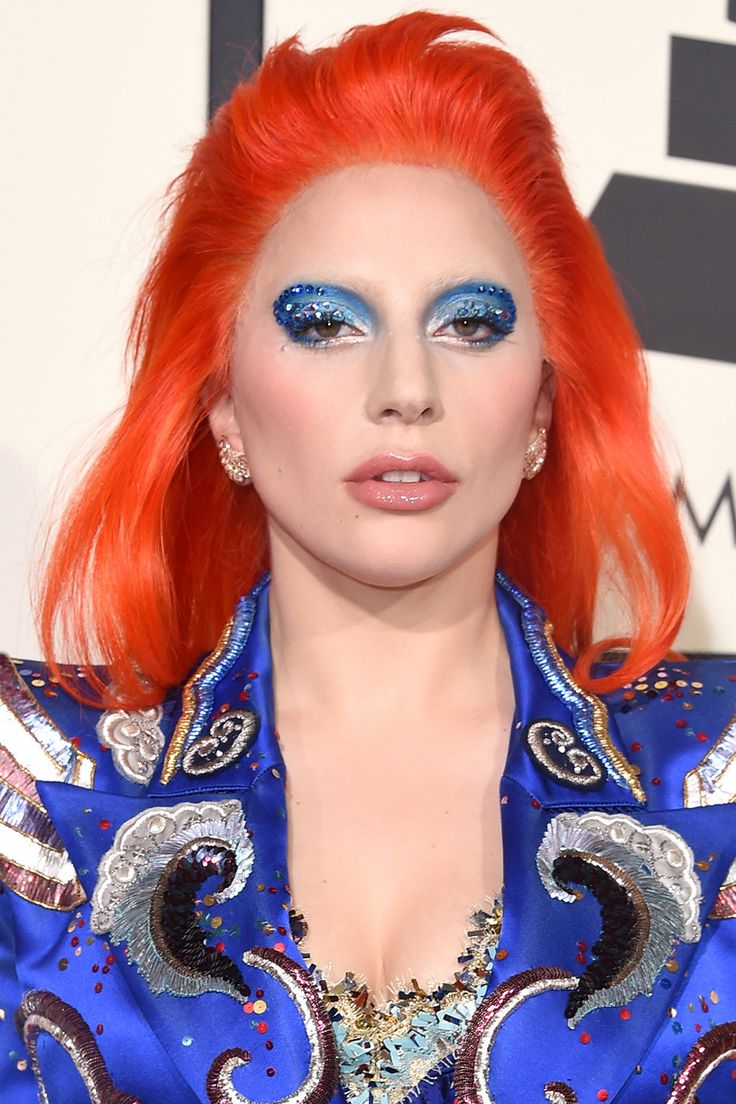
{"x": 368, "y": 652}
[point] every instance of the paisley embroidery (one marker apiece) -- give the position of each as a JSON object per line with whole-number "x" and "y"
{"x": 135, "y": 740}
{"x": 556, "y": 750}
{"x": 33, "y": 861}
{"x": 321, "y": 1080}
{"x": 473, "y": 1066}
{"x": 645, "y": 882}
{"x": 147, "y": 884}
{"x": 228, "y": 738}
{"x": 716, "y": 1046}
{"x": 41, "y": 1011}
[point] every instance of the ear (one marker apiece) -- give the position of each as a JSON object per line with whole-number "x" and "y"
{"x": 542, "y": 415}
{"x": 223, "y": 422}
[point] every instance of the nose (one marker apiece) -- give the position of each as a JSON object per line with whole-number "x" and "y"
{"x": 403, "y": 384}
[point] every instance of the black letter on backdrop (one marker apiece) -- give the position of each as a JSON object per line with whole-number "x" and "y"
{"x": 236, "y": 45}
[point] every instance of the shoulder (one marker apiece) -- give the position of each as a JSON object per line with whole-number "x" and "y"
{"x": 678, "y": 724}
{"x": 46, "y": 735}
{"x": 677, "y": 693}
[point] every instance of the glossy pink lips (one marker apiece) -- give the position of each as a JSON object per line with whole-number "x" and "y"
{"x": 365, "y": 484}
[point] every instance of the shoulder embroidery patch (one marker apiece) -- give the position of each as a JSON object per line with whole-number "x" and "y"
{"x": 135, "y": 740}
{"x": 33, "y": 861}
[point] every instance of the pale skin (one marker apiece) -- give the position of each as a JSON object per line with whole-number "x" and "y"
{"x": 393, "y": 691}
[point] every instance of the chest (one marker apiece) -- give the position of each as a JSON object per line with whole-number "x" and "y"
{"x": 393, "y": 841}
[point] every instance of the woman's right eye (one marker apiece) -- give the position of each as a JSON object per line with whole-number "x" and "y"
{"x": 312, "y": 316}
{"x": 321, "y": 331}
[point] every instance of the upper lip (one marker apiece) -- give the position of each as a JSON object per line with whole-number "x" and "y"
{"x": 402, "y": 461}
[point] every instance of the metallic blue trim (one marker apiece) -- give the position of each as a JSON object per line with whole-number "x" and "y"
{"x": 204, "y": 685}
{"x": 533, "y": 621}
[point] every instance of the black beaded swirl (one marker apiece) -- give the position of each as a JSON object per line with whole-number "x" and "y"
{"x": 621, "y": 925}
{"x": 178, "y": 937}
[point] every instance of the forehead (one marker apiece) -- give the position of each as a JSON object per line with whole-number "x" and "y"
{"x": 386, "y": 224}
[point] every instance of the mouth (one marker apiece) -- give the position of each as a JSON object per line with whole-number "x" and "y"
{"x": 394, "y": 467}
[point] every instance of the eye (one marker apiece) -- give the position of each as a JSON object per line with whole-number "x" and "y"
{"x": 320, "y": 316}
{"x": 470, "y": 327}
{"x": 329, "y": 327}
{"x": 479, "y": 314}
{"x": 323, "y": 329}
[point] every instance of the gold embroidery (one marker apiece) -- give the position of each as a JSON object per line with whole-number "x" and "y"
{"x": 189, "y": 704}
{"x": 599, "y": 722}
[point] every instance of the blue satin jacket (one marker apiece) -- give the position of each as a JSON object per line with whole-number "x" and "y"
{"x": 146, "y": 948}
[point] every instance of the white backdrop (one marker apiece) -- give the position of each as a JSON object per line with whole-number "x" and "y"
{"x": 100, "y": 105}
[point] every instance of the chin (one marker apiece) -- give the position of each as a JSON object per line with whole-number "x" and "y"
{"x": 397, "y": 568}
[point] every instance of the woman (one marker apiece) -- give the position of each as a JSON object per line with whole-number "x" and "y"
{"x": 379, "y": 313}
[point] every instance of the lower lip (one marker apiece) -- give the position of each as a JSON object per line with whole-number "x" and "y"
{"x": 401, "y": 496}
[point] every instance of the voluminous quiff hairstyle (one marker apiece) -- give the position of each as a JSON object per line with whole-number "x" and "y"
{"x": 158, "y": 544}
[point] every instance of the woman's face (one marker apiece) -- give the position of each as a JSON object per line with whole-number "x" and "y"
{"x": 387, "y": 327}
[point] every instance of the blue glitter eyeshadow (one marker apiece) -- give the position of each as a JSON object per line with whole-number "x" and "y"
{"x": 300, "y": 308}
{"x": 486, "y": 303}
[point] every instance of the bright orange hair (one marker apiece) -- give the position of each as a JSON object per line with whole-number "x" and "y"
{"x": 158, "y": 544}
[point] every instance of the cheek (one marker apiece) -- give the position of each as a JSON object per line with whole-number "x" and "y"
{"x": 287, "y": 420}
{"x": 500, "y": 416}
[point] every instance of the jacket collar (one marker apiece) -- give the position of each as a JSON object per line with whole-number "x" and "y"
{"x": 576, "y": 759}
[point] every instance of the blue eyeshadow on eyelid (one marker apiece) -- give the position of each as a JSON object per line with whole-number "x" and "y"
{"x": 299, "y": 306}
{"x": 490, "y": 302}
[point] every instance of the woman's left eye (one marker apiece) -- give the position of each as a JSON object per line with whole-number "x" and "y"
{"x": 480, "y": 329}
{"x": 483, "y": 317}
